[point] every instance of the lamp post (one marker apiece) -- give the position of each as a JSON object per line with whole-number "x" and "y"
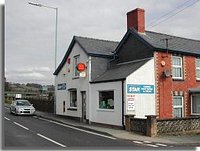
{"x": 56, "y": 32}
{"x": 56, "y": 26}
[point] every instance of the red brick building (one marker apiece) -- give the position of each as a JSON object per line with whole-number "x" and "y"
{"x": 146, "y": 73}
{"x": 177, "y": 67}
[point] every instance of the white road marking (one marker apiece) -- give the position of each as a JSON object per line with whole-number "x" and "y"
{"x": 148, "y": 142}
{"x": 151, "y": 145}
{"x": 137, "y": 142}
{"x": 161, "y": 145}
{"x": 51, "y": 140}
{"x": 79, "y": 129}
{"x": 7, "y": 118}
{"x": 21, "y": 125}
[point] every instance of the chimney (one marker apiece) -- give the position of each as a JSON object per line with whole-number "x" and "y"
{"x": 136, "y": 20}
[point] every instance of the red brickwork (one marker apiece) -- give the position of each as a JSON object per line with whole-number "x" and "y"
{"x": 136, "y": 20}
{"x": 166, "y": 86}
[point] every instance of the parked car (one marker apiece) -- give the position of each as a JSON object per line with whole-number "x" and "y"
{"x": 22, "y": 107}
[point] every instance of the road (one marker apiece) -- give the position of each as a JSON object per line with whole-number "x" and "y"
{"x": 21, "y": 132}
{"x": 32, "y": 132}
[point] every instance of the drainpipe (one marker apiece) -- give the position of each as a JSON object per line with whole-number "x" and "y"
{"x": 123, "y": 104}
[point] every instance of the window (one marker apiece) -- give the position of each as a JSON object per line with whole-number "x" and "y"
{"x": 198, "y": 69}
{"x": 106, "y": 99}
{"x": 73, "y": 98}
{"x": 178, "y": 106}
{"x": 177, "y": 67}
{"x": 196, "y": 104}
{"x": 76, "y": 61}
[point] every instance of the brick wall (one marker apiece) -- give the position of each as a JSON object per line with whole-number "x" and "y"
{"x": 166, "y": 87}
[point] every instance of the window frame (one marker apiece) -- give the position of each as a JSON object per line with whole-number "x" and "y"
{"x": 197, "y": 68}
{"x": 192, "y": 113}
{"x": 178, "y": 66}
{"x": 178, "y": 106}
{"x": 76, "y": 61}
{"x": 105, "y": 109}
{"x": 70, "y": 99}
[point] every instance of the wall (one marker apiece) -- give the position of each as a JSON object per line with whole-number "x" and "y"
{"x": 143, "y": 103}
{"x": 112, "y": 117}
{"x": 98, "y": 66}
{"x": 166, "y": 87}
{"x": 66, "y": 76}
{"x": 153, "y": 126}
{"x": 133, "y": 49}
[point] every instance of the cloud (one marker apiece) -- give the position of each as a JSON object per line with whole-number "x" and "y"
{"x": 30, "y": 30}
{"x": 32, "y": 69}
{"x": 31, "y": 74}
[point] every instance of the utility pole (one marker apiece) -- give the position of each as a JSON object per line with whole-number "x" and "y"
{"x": 166, "y": 44}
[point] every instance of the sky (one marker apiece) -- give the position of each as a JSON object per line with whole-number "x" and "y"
{"x": 30, "y": 30}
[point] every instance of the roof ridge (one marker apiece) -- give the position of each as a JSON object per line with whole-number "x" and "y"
{"x": 173, "y": 36}
{"x": 96, "y": 39}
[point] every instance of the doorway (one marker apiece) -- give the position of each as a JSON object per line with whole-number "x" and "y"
{"x": 83, "y": 97}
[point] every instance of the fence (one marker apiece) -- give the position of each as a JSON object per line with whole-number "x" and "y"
{"x": 153, "y": 127}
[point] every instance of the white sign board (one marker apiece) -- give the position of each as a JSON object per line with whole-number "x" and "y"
{"x": 18, "y": 96}
{"x": 131, "y": 102}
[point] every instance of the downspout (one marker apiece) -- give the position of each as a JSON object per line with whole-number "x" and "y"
{"x": 123, "y": 104}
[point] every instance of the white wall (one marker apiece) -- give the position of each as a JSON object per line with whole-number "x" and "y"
{"x": 81, "y": 84}
{"x": 144, "y": 103}
{"x": 112, "y": 117}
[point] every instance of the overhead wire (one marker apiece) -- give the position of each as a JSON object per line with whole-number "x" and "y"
{"x": 157, "y": 19}
{"x": 172, "y": 15}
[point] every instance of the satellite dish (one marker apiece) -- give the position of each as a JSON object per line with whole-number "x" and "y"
{"x": 167, "y": 73}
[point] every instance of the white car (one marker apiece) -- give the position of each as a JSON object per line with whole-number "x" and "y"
{"x": 22, "y": 107}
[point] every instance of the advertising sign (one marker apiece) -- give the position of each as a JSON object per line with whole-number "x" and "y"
{"x": 81, "y": 67}
{"x": 61, "y": 86}
{"x": 140, "y": 89}
{"x": 131, "y": 102}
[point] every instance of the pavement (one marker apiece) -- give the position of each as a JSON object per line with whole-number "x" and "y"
{"x": 188, "y": 139}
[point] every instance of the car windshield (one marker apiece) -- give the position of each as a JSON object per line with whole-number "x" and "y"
{"x": 23, "y": 103}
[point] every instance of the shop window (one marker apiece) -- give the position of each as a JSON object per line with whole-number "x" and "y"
{"x": 178, "y": 106}
{"x": 196, "y": 104}
{"x": 198, "y": 69}
{"x": 177, "y": 67}
{"x": 73, "y": 98}
{"x": 76, "y": 62}
{"x": 106, "y": 99}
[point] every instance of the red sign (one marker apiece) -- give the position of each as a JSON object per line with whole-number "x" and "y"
{"x": 81, "y": 67}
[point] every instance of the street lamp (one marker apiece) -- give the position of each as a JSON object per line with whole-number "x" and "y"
{"x": 56, "y": 26}
{"x": 56, "y": 9}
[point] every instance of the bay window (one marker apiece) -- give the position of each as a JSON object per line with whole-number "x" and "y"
{"x": 195, "y": 102}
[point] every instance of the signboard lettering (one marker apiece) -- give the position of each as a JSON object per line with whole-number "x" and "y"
{"x": 140, "y": 89}
{"x": 61, "y": 86}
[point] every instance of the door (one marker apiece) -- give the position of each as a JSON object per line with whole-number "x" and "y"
{"x": 83, "y": 96}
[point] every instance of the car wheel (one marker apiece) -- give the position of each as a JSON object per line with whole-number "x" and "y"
{"x": 15, "y": 112}
{"x": 10, "y": 111}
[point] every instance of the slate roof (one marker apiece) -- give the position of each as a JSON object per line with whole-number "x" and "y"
{"x": 92, "y": 47}
{"x": 97, "y": 46}
{"x": 156, "y": 41}
{"x": 175, "y": 44}
{"x": 120, "y": 71}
